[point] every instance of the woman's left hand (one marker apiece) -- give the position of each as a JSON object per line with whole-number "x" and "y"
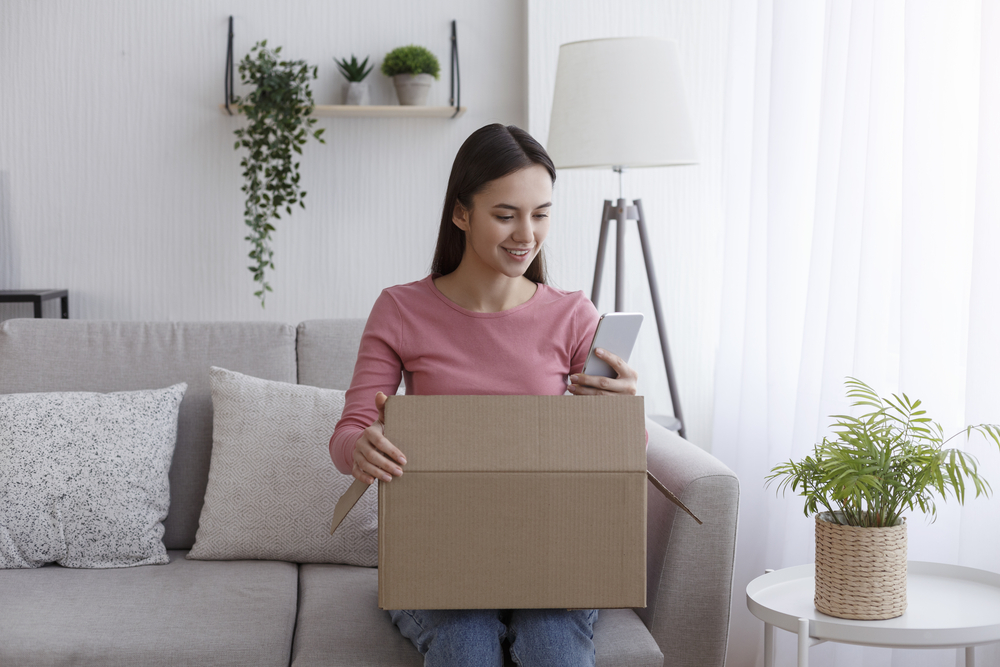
{"x": 591, "y": 385}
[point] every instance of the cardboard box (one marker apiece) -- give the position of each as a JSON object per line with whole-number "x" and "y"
{"x": 513, "y": 502}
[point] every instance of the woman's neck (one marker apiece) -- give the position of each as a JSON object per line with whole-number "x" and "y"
{"x": 483, "y": 292}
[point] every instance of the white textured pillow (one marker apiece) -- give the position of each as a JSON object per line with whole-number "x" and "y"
{"x": 271, "y": 485}
{"x": 83, "y": 477}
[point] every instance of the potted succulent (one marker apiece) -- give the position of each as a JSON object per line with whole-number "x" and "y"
{"x": 412, "y": 69}
{"x": 888, "y": 460}
{"x": 278, "y": 122}
{"x": 355, "y": 73}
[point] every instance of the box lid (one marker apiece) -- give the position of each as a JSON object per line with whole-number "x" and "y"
{"x": 487, "y": 442}
{"x": 562, "y": 433}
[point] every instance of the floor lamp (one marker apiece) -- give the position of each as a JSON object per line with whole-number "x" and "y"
{"x": 620, "y": 103}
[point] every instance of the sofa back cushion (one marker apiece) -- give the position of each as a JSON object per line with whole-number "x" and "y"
{"x": 327, "y": 350}
{"x": 46, "y": 355}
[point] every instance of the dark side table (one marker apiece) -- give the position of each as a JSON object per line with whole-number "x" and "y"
{"x": 36, "y": 297}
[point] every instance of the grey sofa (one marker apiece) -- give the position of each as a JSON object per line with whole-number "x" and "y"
{"x": 278, "y": 613}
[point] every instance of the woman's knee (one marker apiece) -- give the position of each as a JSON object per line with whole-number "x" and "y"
{"x": 553, "y": 637}
{"x": 453, "y": 637}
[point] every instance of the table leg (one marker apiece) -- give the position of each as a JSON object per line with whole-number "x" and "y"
{"x": 970, "y": 656}
{"x": 64, "y": 306}
{"x": 804, "y": 642}
{"x": 37, "y": 302}
{"x": 768, "y": 645}
{"x": 768, "y": 638}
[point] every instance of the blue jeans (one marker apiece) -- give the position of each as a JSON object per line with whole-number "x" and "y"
{"x": 538, "y": 637}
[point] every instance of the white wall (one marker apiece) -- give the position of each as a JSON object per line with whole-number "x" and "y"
{"x": 119, "y": 181}
{"x": 119, "y": 178}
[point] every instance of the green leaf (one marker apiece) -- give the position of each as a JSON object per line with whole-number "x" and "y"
{"x": 882, "y": 462}
{"x": 277, "y": 110}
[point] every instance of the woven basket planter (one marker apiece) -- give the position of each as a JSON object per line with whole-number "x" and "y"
{"x": 860, "y": 572}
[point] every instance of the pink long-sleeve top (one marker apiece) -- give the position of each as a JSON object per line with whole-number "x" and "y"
{"x": 440, "y": 348}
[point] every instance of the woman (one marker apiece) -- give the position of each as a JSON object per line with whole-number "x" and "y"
{"x": 483, "y": 322}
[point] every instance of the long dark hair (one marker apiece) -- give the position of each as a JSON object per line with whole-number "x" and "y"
{"x": 491, "y": 152}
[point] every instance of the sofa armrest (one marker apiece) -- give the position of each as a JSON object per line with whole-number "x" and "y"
{"x": 689, "y": 568}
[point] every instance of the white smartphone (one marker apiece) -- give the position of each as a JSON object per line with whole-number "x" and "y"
{"x": 616, "y": 333}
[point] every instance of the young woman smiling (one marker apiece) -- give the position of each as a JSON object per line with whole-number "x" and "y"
{"x": 483, "y": 322}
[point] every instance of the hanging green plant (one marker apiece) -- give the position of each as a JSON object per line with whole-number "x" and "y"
{"x": 277, "y": 111}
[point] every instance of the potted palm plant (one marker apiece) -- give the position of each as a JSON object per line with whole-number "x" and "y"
{"x": 355, "y": 73}
{"x": 412, "y": 69}
{"x": 858, "y": 484}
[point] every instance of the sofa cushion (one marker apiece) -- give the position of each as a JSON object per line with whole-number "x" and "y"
{"x": 327, "y": 350}
{"x": 82, "y": 355}
{"x": 83, "y": 477}
{"x": 339, "y": 623}
{"x": 272, "y": 487}
{"x": 621, "y": 640}
{"x": 191, "y": 613}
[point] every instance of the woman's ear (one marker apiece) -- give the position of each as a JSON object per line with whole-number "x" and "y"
{"x": 461, "y": 216}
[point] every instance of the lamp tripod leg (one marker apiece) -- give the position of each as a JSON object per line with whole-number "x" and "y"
{"x": 621, "y": 215}
{"x": 601, "y": 247}
{"x": 657, "y": 311}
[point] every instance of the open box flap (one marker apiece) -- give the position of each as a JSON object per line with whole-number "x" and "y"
{"x": 347, "y": 501}
{"x": 666, "y": 492}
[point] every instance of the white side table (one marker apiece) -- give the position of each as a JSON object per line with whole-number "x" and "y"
{"x": 948, "y": 606}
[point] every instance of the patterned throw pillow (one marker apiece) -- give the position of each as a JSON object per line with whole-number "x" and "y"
{"x": 83, "y": 477}
{"x": 272, "y": 486}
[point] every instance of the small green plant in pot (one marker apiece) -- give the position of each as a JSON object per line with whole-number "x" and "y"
{"x": 355, "y": 73}
{"x": 858, "y": 484}
{"x": 278, "y": 125}
{"x": 412, "y": 69}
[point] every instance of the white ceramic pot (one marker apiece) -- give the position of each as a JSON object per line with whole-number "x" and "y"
{"x": 412, "y": 89}
{"x": 357, "y": 93}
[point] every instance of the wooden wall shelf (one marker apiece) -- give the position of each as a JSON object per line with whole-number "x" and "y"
{"x": 380, "y": 111}
{"x": 370, "y": 111}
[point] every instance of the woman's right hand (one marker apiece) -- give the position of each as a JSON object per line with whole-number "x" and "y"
{"x": 374, "y": 456}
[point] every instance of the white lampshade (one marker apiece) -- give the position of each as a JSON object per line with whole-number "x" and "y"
{"x": 620, "y": 102}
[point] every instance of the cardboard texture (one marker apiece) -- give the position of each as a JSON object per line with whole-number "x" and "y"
{"x": 513, "y": 502}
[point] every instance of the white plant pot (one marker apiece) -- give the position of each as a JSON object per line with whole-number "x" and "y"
{"x": 412, "y": 89}
{"x": 357, "y": 93}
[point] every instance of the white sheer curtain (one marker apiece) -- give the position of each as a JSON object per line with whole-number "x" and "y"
{"x": 862, "y": 239}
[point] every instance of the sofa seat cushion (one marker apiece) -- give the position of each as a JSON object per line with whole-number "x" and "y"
{"x": 183, "y": 613}
{"x": 622, "y": 640}
{"x": 339, "y": 623}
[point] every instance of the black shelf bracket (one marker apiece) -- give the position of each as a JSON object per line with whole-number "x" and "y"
{"x": 456, "y": 76}
{"x": 229, "y": 68}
